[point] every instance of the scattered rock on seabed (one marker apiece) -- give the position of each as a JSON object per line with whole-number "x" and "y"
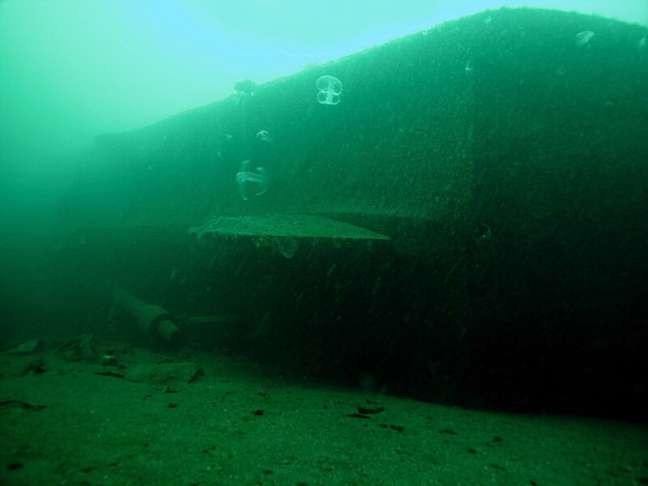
{"x": 80, "y": 348}
{"x": 28, "y": 347}
{"x": 165, "y": 373}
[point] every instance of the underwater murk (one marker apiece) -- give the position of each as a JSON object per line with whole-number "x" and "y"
{"x": 420, "y": 263}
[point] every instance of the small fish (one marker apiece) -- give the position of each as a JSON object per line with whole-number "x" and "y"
{"x": 583, "y": 38}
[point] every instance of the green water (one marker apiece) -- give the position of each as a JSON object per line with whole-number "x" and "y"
{"x": 303, "y": 243}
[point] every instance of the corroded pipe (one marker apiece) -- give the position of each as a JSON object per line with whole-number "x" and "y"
{"x": 153, "y": 320}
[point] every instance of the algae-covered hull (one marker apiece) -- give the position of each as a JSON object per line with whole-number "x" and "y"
{"x": 471, "y": 211}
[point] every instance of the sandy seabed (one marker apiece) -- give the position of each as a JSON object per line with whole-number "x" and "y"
{"x": 206, "y": 419}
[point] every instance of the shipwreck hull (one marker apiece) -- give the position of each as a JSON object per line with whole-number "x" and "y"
{"x": 493, "y": 171}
